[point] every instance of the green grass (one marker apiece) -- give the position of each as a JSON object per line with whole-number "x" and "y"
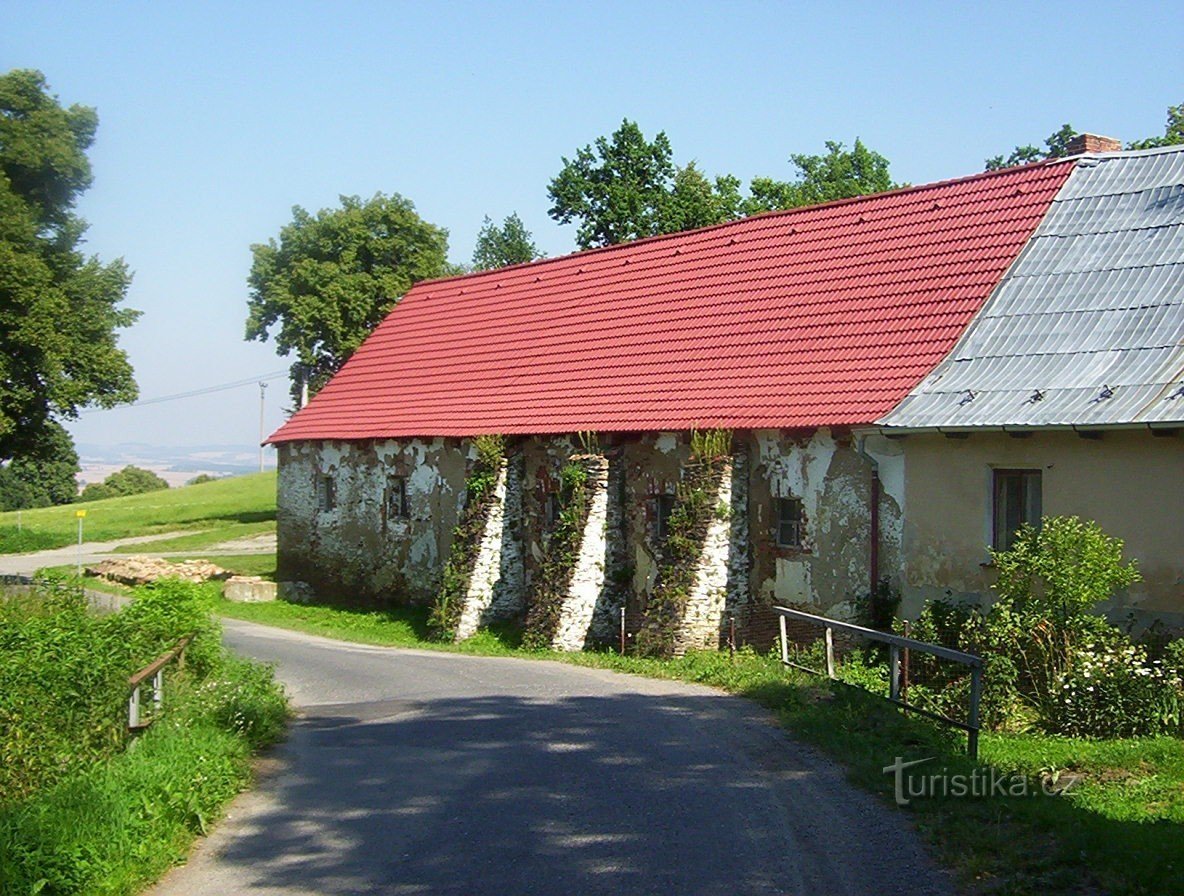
{"x": 239, "y": 564}
{"x": 215, "y": 508}
{"x": 1119, "y": 830}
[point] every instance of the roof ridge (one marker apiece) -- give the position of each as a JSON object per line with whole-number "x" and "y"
{"x": 774, "y": 213}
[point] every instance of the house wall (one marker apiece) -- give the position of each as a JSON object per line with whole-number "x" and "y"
{"x": 355, "y": 551}
{"x": 1129, "y": 481}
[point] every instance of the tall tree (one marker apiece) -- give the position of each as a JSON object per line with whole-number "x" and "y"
{"x": 1173, "y": 133}
{"x": 838, "y": 174}
{"x": 43, "y": 475}
{"x": 331, "y": 278}
{"x": 59, "y": 309}
{"x": 695, "y": 201}
{"x": 616, "y": 189}
{"x": 499, "y": 247}
{"x": 1055, "y": 146}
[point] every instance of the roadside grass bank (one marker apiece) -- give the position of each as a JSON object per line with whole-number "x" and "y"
{"x": 220, "y": 509}
{"x": 204, "y": 539}
{"x": 1040, "y": 814}
{"x": 81, "y": 812}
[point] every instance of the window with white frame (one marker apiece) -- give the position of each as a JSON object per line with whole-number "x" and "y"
{"x": 1017, "y": 500}
{"x": 396, "y": 498}
{"x": 326, "y": 492}
{"x": 790, "y": 522}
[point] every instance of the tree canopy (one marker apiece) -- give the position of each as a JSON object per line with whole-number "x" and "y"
{"x": 43, "y": 475}
{"x": 839, "y": 174}
{"x": 1056, "y": 145}
{"x": 499, "y": 247}
{"x": 59, "y": 309}
{"x": 331, "y": 278}
{"x": 625, "y": 187}
{"x": 131, "y": 480}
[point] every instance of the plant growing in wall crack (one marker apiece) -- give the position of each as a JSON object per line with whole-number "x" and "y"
{"x": 695, "y": 507}
{"x": 563, "y": 546}
{"x": 466, "y": 538}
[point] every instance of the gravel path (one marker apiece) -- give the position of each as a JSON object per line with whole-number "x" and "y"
{"x": 415, "y": 772}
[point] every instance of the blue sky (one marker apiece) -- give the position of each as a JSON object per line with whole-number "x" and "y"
{"x": 217, "y": 118}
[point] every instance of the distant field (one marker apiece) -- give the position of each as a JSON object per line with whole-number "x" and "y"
{"x": 241, "y": 505}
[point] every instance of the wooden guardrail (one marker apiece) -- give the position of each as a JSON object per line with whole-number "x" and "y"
{"x": 155, "y": 672}
{"x": 896, "y": 643}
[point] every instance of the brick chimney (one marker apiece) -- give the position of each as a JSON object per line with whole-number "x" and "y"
{"x": 1091, "y": 143}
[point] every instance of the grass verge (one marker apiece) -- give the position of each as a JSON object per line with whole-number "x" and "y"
{"x": 81, "y": 812}
{"x": 1118, "y": 829}
{"x": 214, "y": 507}
{"x": 204, "y": 539}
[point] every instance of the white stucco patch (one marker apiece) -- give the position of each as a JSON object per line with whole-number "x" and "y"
{"x": 705, "y": 604}
{"x": 587, "y": 580}
{"x": 487, "y": 568}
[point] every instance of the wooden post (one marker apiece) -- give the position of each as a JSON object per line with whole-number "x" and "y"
{"x": 784, "y": 642}
{"x": 133, "y": 709}
{"x": 622, "y": 629}
{"x": 894, "y": 673}
{"x": 158, "y": 689}
{"x": 830, "y": 652}
{"x": 976, "y": 693}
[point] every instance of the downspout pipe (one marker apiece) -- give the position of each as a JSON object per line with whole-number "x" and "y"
{"x": 873, "y": 514}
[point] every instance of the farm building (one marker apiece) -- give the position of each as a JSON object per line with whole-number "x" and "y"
{"x": 696, "y": 426}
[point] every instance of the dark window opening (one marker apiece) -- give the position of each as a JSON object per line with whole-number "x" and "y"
{"x": 790, "y": 523}
{"x": 326, "y": 493}
{"x": 552, "y": 508}
{"x": 662, "y": 508}
{"x": 396, "y": 498}
{"x": 1017, "y": 500}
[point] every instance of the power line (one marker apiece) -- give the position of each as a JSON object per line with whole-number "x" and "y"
{"x": 223, "y": 387}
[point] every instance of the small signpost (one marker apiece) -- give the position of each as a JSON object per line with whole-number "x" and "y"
{"x": 81, "y": 514}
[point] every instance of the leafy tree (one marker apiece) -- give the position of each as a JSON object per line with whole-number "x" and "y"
{"x": 617, "y": 191}
{"x": 499, "y": 247}
{"x": 42, "y": 476}
{"x": 59, "y": 309}
{"x": 331, "y": 278}
{"x": 1173, "y": 133}
{"x": 839, "y": 174}
{"x": 130, "y": 480}
{"x": 695, "y": 201}
{"x": 1056, "y": 146}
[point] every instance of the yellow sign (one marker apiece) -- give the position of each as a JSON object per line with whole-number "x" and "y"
{"x": 80, "y": 513}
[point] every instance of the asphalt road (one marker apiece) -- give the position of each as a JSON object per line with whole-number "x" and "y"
{"x": 414, "y": 772}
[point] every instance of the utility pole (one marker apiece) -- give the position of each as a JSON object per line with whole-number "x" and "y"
{"x": 262, "y": 434}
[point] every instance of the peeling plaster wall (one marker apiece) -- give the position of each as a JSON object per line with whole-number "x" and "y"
{"x": 1129, "y": 481}
{"x": 357, "y": 549}
{"x": 825, "y": 471}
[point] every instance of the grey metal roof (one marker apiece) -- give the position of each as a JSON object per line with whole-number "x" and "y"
{"x": 1087, "y": 326}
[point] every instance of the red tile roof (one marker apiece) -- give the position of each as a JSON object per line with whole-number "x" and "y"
{"x": 819, "y": 316}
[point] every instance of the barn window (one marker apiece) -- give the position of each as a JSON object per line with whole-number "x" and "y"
{"x": 661, "y": 507}
{"x": 790, "y": 522}
{"x": 1017, "y": 500}
{"x": 396, "y": 498}
{"x": 326, "y": 492}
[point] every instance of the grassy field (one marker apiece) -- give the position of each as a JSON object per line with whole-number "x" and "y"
{"x": 1118, "y": 829}
{"x": 227, "y": 508}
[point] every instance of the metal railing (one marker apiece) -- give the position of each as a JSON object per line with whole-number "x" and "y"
{"x": 896, "y": 644}
{"x": 155, "y": 672}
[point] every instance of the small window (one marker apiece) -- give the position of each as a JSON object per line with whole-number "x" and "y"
{"x": 789, "y": 522}
{"x": 1017, "y": 500}
{"x": 396, "y": 498}
{"x": 326, "y": 493}
{"x": 662, "y": 506}
{"x": 551, "y": 508}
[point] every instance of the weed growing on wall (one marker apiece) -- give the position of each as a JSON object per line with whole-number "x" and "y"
{"x": 563, "y": 545}
{"x": 695, "y": 507}
{"x": 466, "y": 538}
